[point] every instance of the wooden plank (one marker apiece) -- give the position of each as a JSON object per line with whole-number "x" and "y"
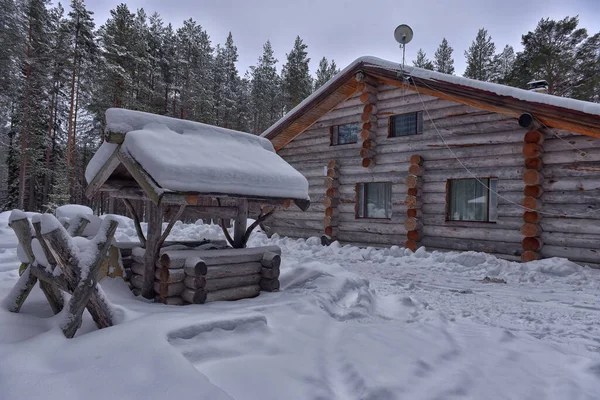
{"x": 103, "y": 174}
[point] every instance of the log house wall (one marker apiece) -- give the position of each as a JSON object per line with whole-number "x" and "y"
{"x": 489, "y": 144}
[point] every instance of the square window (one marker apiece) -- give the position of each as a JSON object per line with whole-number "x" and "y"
{"x": 374, "y": 200}
{"x": 344, "y": 134}
{"x": 406, "y": 124}
{"x": 471, "y": 200}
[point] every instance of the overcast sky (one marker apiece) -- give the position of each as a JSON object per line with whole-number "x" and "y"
{"x": 346, "y": 30}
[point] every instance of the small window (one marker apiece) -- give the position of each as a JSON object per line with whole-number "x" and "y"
{"x": 344, "y": 134}
{"x": 471, "y": 200}
{"x": 406, "y": 124}
{"x": 374, "y": 200}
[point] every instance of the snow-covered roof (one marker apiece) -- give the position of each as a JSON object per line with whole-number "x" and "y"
{"x": 186, "y": 156}
{"x": 421, "y": 77}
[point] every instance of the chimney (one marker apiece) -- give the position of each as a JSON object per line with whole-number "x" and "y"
{"x": 540, "y": 86}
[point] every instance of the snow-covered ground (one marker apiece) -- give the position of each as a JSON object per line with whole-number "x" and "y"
{"x": 349, "y": 323}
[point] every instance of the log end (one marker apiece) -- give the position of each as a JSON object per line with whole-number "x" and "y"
{"x": 528, "y": 256}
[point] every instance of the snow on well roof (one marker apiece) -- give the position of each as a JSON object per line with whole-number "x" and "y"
{"x": 186, "y": 156}
{"x": 373, "y": 64}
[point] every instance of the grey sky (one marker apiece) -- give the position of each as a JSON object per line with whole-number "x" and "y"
{"x": 347, "y": 29}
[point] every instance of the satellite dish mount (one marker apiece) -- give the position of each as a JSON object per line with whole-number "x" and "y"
{"x": 403, "y": 35}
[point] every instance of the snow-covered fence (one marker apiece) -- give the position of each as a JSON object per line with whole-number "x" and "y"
{"x": 78, "y": 261}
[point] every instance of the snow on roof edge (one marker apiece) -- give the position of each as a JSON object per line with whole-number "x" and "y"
{"x": 585, "y": 107}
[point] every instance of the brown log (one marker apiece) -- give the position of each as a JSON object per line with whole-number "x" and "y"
{"x": 231, "y": 282}
{"x": 369, "y": 126}
{"x": 333, "y": 173}
{"x": 195, "y": 282}
{"x": 533, "y": 191}
{"x": 331, "y": 231}
{"x": 415, "y": 169}
{"x": 535, "y": 137}
{"x": 411, "y": 244}
{"x": 528, "y": 256}
{"x": 229, "y": 270}
{"x": 168, "y": 290}
{"x": 368, "y": 162}
{"x": 270, "y": 273}
{"x": 531, "y": 203}
{"x": 531, "y": 177}
{"x": 331, "y": 164}
{"x": 369, "y": 144}
{"x": 368, "y": 117}
{"x": 271, "y": 260}
{"x": 412, "y": 235}
{"x": 532, "y": 150}
{"x": 413, "y": 212}
{"x": 194, "y": 296}
{"x": 533, "y": 163}
{"x": 367, "y": 135}
{"x": 532, "y": 217}
{"x": 169, "y": 275}
{"x": 331, "y": 212}
{"x": 412, "y": 191}
{"x": 269, "y": 285}
{"x": 330, "y": 221}
{"x": 218, "y": 257}
{"x": 416, "y": 159}
{"x": 170, "y": 301}
{"x": 531, "y": 243}
{"x": 194, "y": 266}
{"x": 412, "y": 181}
{"x": 370, "y": 108}
{"x": 412, "y": 202}
{"x": 531, "y": 230}
{"x": 412, "y": 224}
{"x": 232, "y": 294}
{"x": 368, "y": 97}
{"x": 367, "y": 153}
{"x": 287, "y": 203}
{"x": 366, "y": 88}
{"x": 331, "y": 202}
{"x": 332, "y": 193}
{"x": 331, "y": 183}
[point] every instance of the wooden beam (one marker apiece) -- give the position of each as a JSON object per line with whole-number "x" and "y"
{"x": 105, "y": 171}
{"x": 150, "y": 187}
{"x": 241, "y": 222}
{"x": 114, "y": 137}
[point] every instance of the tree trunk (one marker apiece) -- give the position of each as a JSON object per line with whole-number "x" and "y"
{"x": 25, "y": 121}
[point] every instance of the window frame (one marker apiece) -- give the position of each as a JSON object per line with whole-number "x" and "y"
{"x": 331, "y": 134}
{"x": 417, "y": 113}
{"x": 364, "y": 202}
{"x": 449, "y": 197}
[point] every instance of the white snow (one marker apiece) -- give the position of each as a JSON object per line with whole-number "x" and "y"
{"x": 99, "y": 159}
{"x": 188, "y": 156}
{"x": 349, "y": 323}
{"x": 72, "y": 210}
{"x": 501, "y": 90}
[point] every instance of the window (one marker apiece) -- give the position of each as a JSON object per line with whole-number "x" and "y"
{"x": 406, "y": 124}
{"x": 344, "y": 134}
{"x": 374, "y": 200}
{"x": 470, "y": 200}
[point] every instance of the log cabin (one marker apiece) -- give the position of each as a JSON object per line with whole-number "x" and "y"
{"x": 401, "y": 156}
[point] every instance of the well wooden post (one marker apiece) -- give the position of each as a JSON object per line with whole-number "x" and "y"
{"x": 241, "y": 223}
{"x": 368, "y": 118}
{"x": 153, "y": 235}
{"x": 413, "y": 222}
{"x": 533, "y": 191}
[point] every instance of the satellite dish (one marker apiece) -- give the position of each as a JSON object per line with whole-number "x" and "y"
{"x": 403, "y": 34}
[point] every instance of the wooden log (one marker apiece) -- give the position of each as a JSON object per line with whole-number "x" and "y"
{"x": 169, "y": 275}
{"x": 368, "y": 117}
{"x": 231, "y": 282}
{"x": 412, "y": 192}
{"x": 412, "y": 181}
{"x": 21, "y": 290}
{"x": 332, "y": 193}
{"x": 532, "y": 217}
{"x": 368, "y": 97}
{"x": 168, "y": 290}
{"x": 270, "y": 273}
{"x": 366, "y": 88}
{"x": 138, "y": 268}
{"x": 331, "y": 183}
{"x": 332, "y": 164}
{"x": 193, "y": 266}
{"x": 535, "y": 137}
{"x": 413, "y": 212}
{"x": 331, "y": 202}
{"x": 412, "y": 224}
{"x": 529, "y": 255}
{"x": 412, "y": 235}
{"x": 195, "y": 282}
{"x": 154, "y": 230}
{"x": 532, "y": 150}
{"x": 333, "y": 173}
{"x": 331, "y": 212}
{"x": 533, "y": 163}
{"x": 412, "y": 202}
{"x": 370, "y": 108}
{"x": 533, "y": 191}
{"x": 137, "y": 281}
{"x": 240, "y": 225}
{"x": 368, "y": 162}
{"x": 531, "y": 230}
{"x": 194, "y": 296}
{"x": 269, "y": 285}
{"x": 232, "y": 294}
{"x": 369, "y": 126}
{"x": 367, "y": 153}
{"x": 330, "y": 221}
{"x": 531, "y": 203}
{"x": 170, "y": 301}
{"x": 48, "y": 287}
{"x": 229, "y": 270}
{"x": 531, "y": 177}
{"x": 411, "y": 244}
{"x": 415, "y": 170}
{"x": 331, "y": 231}
{"x": 416, "y": 159}
{"x": 77, "y": 225}
{"x": 527, "y": 120}
{"x": 532, "y": 243}
{"x": 368, "y": 143}
{"x": 218, "y": 257}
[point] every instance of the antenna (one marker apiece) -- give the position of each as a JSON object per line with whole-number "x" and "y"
{"x": 403, "y": 35}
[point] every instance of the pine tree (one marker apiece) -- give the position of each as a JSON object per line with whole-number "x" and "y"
{"x": 296, "y": 80}
{"x": 265, "y": 91}
{"x": 443, "y": 61}
{"x": 503, "y": 65}
{"x": 226, "y": 84}
{"x": 480, "y": 57}
{"x": 325, "y": 72}
{"x": 587, "y": 85}
{"x": 422, "y": 61}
